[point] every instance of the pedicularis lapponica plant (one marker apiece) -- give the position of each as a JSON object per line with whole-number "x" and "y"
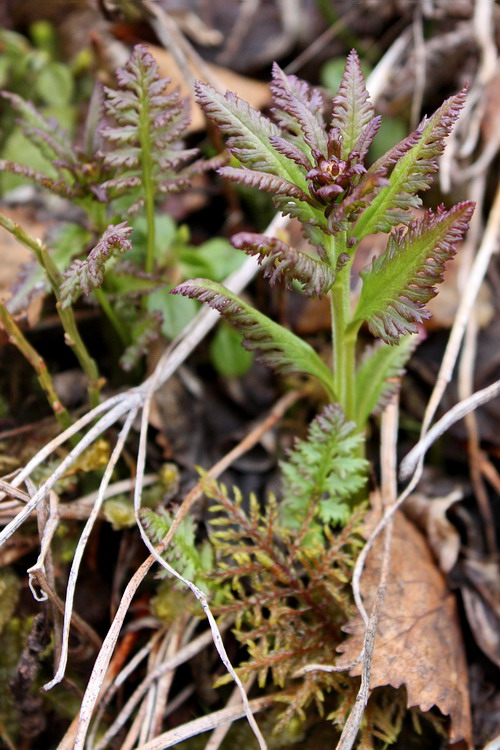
{"x": 318, "y": 175}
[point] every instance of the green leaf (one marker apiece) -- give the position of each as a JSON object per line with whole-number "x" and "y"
{"x": 378, "y": 376}
{"x": 276, "y": 346}
{"x": 177, "y": 312}
{"x": 55, "y": 84}
{"x": 228, "y": 355}
{"x": 214, "y": 258}
{"x": 352, "y": 109}
{"x": 401, "y": 281}
{"x": 67, "y": 241}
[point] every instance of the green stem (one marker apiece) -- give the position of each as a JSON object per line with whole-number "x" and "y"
{"x": 112, "y": 316}
{"x": 19, "y": 340}
{"x": 344, "y": 346}
{"x": 67, "y": 317}
{"x": 147, "y": 183}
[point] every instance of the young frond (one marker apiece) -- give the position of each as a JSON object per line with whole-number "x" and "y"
{"x": 276, "y": 346}
{"x": 267, "y": 182}
{"x": 84, "y": 275}
{"x": 322, "y": 473}
{"x": 55, "y": 186}
{"x": 401, "y": 281}
{"x": 46, "y": 134}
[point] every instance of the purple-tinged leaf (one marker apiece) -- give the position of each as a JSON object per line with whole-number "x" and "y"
{"x": 291, "y": 151}
{"x": 302, "y": 104}
{"x": 248, "y": 131}
{"x": 83, "y": 276}
{"x": 268, "y": 182}
{"x": 401, "y": 281}
{"x": 46, "y": 135}
{"x": 275, "y": 345}
{"x": 415, "y": 160}
{"x": 148, "y": 120}
{"x": 282, "y": 262}
{"x": 366, "y": 137}
{"x": 352, "y": 109}
{"x": 55, "y": 186}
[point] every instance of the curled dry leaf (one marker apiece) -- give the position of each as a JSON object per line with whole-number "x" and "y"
{"x": 418, "y": 642}
{"x": 429, "y": 513}
{"x": 480, "y": 591}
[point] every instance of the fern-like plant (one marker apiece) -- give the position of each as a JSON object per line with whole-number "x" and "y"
{"x": 318, "y": 174}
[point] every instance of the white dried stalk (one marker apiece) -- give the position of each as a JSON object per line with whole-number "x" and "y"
{"x": 182, "y": 656}
{"x": 49, "y": 529}
{"x": 127, "y": 670}
{"x": 205, "y": 724}
{"x": 457, "y": 412}
{"x": 82, "y": 543}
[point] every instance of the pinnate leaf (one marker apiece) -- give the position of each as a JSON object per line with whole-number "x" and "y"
{"x": 276, "y": 346}
{"x": 415, "y": 160}
{"x": 282, "y": 262}
{"x": 400, "y": 282}
{"x": 298, "y": 108}
{"x": 268, "y": 182}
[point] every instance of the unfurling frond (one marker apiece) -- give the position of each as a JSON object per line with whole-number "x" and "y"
{"x": 276, "y": 346}
{"x": 352, "y": 109}
{"x": 401, "y": 281}
{"x": 84, "y": 275}
{"x": 282, "y": 262}
{"x": 322, "y": 473}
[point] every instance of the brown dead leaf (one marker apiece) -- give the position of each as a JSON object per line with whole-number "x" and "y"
{"x": 480, "y": 589}
{"x": 254, "y": 92}
{"x": 418, "y": 642}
